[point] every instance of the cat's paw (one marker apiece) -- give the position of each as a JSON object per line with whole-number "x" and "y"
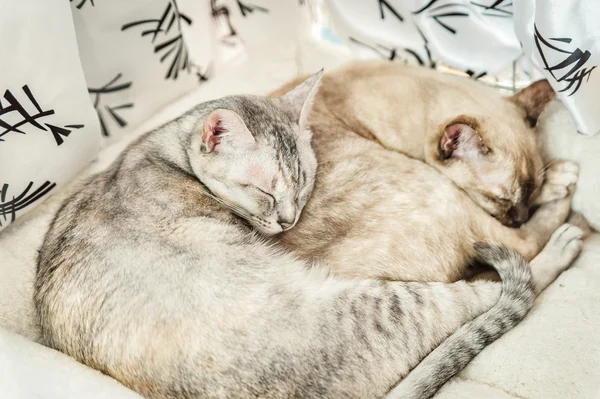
{"x": 577, "y": 219}
{"x": 565, "y": 244}
{"x": 560, "y": 252}
{"x": 559, "y": 181}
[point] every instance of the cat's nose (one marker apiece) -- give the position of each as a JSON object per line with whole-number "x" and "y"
{"x": 518, "y": 215}
{"x": 287, "y": 222}
{"x": 286, "y": 226}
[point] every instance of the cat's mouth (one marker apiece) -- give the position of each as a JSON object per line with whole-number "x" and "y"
{"x": 263, "y": 226}
{"x": 259, "y": 224}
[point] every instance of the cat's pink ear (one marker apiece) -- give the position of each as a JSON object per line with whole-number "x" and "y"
{"x": 533, "y": 99}
{"x": 224, "y": 129}
{"x": 299, "y": 100}
{"x": 461, "y": 141}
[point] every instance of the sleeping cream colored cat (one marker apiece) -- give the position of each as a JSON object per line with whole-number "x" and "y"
{"x": 417, "y": 221}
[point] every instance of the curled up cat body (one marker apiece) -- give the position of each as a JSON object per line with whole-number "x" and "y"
{"x": 376, "y": 124}
{"x": 158, "y": 274}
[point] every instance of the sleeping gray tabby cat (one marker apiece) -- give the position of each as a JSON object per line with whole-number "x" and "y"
{"x": 157, "y": 273}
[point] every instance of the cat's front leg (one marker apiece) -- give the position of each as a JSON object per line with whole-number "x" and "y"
{"x": 555, "y": 205}
{"x": 564, "y": 246}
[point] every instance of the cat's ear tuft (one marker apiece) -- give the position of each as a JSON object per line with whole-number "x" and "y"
{"x": 460, "y": 140}
{"x": 224, "y": 129}
{"x": 533, "y": 99}
{"x": 300, "y": 99}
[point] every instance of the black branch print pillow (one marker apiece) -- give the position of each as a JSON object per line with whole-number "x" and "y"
{"x": 48, "y": 128}
{"x": 118, "y": 63}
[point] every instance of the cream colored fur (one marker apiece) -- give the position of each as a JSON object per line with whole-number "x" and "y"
{"x": 398, "y": 213}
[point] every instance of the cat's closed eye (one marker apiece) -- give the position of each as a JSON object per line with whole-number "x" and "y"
{"x": 263, "y": 193}
{"x": 499, "y": 201}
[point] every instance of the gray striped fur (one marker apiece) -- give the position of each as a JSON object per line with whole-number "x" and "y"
{"x": 457, "y": 351}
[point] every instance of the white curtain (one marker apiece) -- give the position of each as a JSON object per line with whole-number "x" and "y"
{"x": 563, "y": 39}
{"x": 484, "y": 37}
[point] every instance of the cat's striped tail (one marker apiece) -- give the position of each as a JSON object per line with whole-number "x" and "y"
{"x": 452, "y": 355}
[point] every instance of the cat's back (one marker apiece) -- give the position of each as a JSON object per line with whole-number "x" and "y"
{"x": 121, "y": 238}
{"x": 123, "y": 264}
{"x": 381, "y": 77}
{"x": 378, "y": 205}
{"x": 93, "y": 219}
{"x": 90, "y": 233}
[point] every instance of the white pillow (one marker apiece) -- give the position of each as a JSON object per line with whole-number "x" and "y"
{"x": 32, "y": 371}
{"x": 136, "y": 60}
{"x": 48, "y": 129}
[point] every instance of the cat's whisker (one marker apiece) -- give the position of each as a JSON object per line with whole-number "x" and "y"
{"x": 237, "y": 210}
{"x": 234, "y": 208}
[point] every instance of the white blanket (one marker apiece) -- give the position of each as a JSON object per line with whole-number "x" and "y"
{"x": 553, "y": 354}
{"x": 29, "y": 370}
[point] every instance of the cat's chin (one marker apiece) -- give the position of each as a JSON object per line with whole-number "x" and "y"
{"x": 268, "y": 231}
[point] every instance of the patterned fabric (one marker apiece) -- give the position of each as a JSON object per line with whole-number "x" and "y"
{"x": 136, "y": 58}
{"x": 563, "y": 39}
{"x": 483, "y": 38}
{"x": 48, "y": 129}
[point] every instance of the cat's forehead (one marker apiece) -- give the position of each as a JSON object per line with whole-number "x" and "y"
{"x": 260, "y": 114}
{"x": 284, "y": 151}
{"x": 274, "y": 132}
